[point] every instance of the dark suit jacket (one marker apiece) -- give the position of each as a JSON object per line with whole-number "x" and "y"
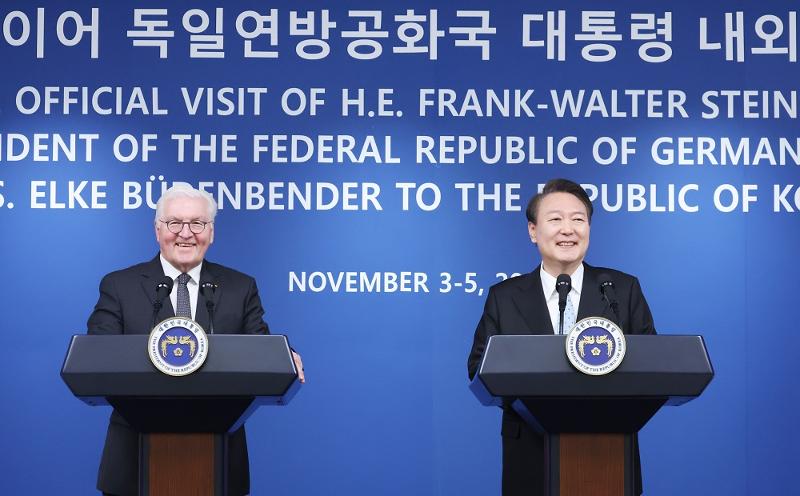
{"x": 518, "y": 306}
{"x": 125, "y": 306}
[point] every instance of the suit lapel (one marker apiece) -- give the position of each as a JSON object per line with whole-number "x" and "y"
{"x": 207, "y": 274}
{"x": 152, "y": 273}
{"x": 531, "y": 304}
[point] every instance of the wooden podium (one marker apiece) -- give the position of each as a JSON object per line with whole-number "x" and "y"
{"x": 182, "y": 420}
{"x": 590, "y": 422}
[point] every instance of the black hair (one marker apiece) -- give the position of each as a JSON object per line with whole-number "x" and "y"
{"x": 558, "y": 186}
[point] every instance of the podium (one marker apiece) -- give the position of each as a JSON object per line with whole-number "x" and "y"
{"x": 590, "y": 422}
{"x": 182, "y": 420}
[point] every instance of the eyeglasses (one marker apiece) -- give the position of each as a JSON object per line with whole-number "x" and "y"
{"x": 176, "y": 226}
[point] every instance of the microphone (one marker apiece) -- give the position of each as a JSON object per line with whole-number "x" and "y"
{"x": 609, "y": 294}
{"x": 208, "y": 289}
{"x": 163, "y": 289}
{"x": 563, "y": 287}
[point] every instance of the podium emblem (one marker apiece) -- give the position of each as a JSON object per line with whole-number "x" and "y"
{"x": 595, "y": 346}
{"x": 177, "y": 346}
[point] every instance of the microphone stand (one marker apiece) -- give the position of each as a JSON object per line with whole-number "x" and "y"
{"x": 208, "y": 289}
{"x": 563, "y": 287}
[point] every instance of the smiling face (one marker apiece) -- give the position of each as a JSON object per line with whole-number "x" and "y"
{"x": 184, "y": 250}
{"x": 561, "y": 232}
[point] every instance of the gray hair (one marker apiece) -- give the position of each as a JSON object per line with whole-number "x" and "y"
{"x": 184, "y": 190}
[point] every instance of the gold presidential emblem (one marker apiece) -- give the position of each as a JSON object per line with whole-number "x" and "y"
{"x": 178, "y": 346}
{"x": 595, "y": 346}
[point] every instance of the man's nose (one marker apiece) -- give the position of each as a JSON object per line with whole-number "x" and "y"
{"x": 185, "y": 232}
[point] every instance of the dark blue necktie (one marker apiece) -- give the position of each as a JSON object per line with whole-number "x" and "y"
{"x": 184, "y": 307}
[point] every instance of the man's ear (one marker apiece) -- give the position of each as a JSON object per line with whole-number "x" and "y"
{"x": 532, "y": 231}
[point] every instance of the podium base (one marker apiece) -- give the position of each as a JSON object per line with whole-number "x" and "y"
{"x": 596, "y": 464}
{"x": 179, "y": 464}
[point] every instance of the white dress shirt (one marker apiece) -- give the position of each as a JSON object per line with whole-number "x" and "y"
{"x": 551, "y": 296}
{"x": 193, "y": 284}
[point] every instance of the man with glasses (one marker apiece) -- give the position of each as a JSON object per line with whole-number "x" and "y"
{"x": 184, "y": 228}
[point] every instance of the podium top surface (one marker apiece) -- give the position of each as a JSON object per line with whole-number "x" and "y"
{"x": 524, "y": 366}
{"x": 237, "y": 366}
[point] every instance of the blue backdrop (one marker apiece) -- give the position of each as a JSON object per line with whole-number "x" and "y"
{"x": 386, "y": 409}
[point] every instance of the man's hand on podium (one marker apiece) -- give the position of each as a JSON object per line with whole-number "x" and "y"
{"x": 298, "y": 363}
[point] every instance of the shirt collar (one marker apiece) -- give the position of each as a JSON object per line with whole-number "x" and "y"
{"x": 173, "y": 273}
{"x": 549, "y": 281}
